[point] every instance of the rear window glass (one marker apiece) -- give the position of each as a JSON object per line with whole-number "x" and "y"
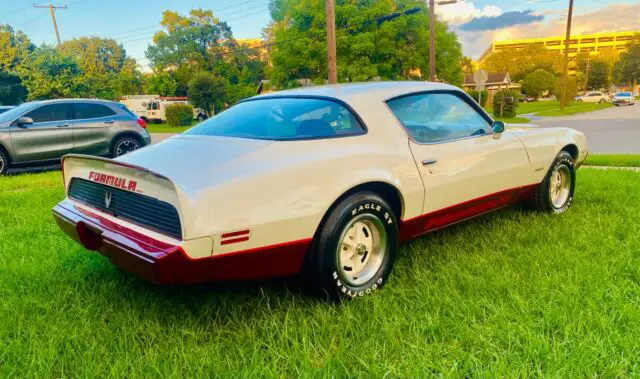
{"x": 625, "y": 94}
{"x": 86, "y": 110}
{"x": 282, "y": 119}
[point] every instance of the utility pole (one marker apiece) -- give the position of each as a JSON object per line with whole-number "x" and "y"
{"x": 565, "y": 61}
{"x": 52, "y": 9}
{"x": 586, "y": 84}
{"x": 331, "y": 42}
{"x": 432, "y": 40}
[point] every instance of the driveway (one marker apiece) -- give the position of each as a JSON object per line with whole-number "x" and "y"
{"x": 613, "y": 130}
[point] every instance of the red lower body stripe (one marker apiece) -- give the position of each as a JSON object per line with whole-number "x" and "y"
{"x": 417, "y": 226}
{"x": 234, "y": 240}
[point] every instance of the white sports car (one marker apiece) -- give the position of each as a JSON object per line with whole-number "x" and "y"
{"x": 322, "y": 181}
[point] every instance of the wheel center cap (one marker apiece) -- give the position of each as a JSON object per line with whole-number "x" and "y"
{"x": 361, "y": 249}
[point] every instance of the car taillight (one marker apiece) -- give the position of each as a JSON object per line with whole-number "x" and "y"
{"x": 142, "y": 124}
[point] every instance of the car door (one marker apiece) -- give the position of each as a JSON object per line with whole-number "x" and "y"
{"x": 48, "y": 138}
{"x": 465, "y": 167}
{"x": 91, "y": 126}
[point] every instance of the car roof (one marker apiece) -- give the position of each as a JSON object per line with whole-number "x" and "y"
{"x": 370, "y": 91}
{"x": 97, "y": 101}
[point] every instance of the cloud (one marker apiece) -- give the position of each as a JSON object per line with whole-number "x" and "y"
{"x": 464, "y": 11}
{"x": 619, "y": 17}
{"x": 501, "y": 21}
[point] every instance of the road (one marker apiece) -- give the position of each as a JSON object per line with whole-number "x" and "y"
{"x": 614, "y": 130}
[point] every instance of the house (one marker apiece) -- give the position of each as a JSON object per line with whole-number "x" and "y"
{"x": 495, "y": 82}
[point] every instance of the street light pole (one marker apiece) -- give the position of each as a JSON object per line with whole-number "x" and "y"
{"x": 565, "y": 61}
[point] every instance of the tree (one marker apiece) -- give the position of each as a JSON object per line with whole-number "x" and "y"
{"x": 598, "y": 75}
{"x": 505, "y": 103}
{"x": 14, "y": 48}
{"x": 467, "y": 65}
{"x": 201, "y": 42}
{"x": 11, "y": 90}
{"x": 538, "y": 82}
{"x": 106, "y": 69}
{"x": 368, "y": 45}
{"x": 627, "y": 69}
{"x": 162, "y": 84}
{"x": 48, "y": 74}
{"x": 207, "y": 91}
{"x": 571, "y": 90}
{"x": 523, "y": 61}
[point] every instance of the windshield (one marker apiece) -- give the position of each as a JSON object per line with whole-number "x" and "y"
{"x": 624, "y": 94}
{"x": 16, "y": 112}
{"x": 282, "y": 119}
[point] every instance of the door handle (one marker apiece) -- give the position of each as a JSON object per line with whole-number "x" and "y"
{"x": 63, "y": 125}
{"x": 427, "y": 162}
{"x": 109, "y": 122}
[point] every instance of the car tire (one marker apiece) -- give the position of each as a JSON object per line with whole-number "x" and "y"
{"x": 555, "y": 193}
{"x": 602, "y": 101}
{"x": 354, "y": 249}
{"x": 124, "y": 145}
{"x": 579, "y": 101}
{"x": 4, "y": 163}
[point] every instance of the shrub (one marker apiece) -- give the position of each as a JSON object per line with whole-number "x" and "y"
{"x": 509, "y": 107}
{"x": 474, "y": 94}
{"x": 179, "y": 115}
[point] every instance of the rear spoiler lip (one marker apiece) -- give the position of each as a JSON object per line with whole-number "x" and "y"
{"x": 111, "y": 161}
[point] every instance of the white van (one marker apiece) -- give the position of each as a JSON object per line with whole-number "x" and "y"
{"x": 138, "y": 103}
{"x": 156, "y": 109}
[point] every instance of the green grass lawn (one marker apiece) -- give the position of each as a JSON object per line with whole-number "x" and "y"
{"x": 164, "y": 128}
{"x": 514, "y": 120}
{"x": 511, "y": 294}
{"x": 552, "y": 108}
{"x": 618, "y": 160}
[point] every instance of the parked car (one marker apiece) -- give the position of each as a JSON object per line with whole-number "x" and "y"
{"x": 622, "y": 98}
{"x": 592, "y": 97}
{"x": 323, "y": 181}
{"x": 4, "y": 108}
{"x": 43, "y": 131}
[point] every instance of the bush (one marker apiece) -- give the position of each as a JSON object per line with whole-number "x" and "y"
{"x": 474, "y": 94}
{"x": 179, "y": 115}
{"x": 510, "y": 106}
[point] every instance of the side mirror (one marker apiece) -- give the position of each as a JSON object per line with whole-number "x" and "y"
{"x": 498, "y": 127}
{"x": 24, "y": 121}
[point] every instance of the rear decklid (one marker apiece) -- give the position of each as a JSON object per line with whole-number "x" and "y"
{"x": 128, "y": 192}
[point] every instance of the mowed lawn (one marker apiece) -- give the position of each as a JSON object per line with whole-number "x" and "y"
{"x": 511, "y": 294}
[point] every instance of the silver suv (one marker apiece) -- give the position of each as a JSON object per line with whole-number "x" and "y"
{"x": 41, "y": 132}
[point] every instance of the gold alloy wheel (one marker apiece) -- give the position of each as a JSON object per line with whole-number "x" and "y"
{"x": 361, "y": 250}
{"x": 560, "y": 186}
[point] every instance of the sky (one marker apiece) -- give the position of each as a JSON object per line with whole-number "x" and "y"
{"x": 477, "y": 22}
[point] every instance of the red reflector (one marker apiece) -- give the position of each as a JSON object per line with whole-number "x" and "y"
{"x": 142, "y": 123}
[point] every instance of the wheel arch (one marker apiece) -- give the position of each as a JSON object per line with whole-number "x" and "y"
{"x": 571, "y": 149}
{"x": 124, "y": 134}
{"x": 6, "y": 152}
{"x": 388, "y": 192}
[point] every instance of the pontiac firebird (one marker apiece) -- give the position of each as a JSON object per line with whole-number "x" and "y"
{"x": 324, "y": 182}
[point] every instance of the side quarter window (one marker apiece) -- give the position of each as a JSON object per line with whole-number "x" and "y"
{"x": 438, "y": 117}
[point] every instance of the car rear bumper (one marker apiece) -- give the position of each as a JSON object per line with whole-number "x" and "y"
{"x": 164, "y": 263}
